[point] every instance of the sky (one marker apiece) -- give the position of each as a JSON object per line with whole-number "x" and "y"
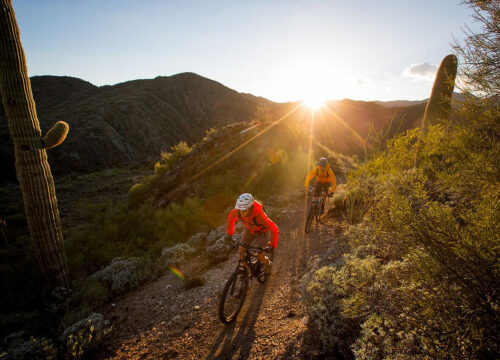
{"x": 281, "y": 50}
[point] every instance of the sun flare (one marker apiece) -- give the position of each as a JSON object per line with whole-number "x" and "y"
{"x": 315, "y": 99}
{"x": 314, "y": 102}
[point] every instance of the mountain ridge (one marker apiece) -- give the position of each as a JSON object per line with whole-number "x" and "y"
{"x": 134, "y": 121}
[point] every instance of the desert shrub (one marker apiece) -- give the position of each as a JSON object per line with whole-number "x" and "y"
{"x": 179, "y": 221}
{"x": 209, "y": 134}
{"x": 121, "y": 274}
{"x": 223, "y": 182}
{"x": 177, "y": 151}
{"x": 431, "y": 234}
{"x": 84, "y": 336}
{"x": 330, "y": 307}
{"x": 112, "y": 230}
{"x": 149, "y": 187}
{"x": 109, "y": 230}
{"x": 20, "y": 346}
{"x": 178, "y": 254}
{"x": 21, "y": 287}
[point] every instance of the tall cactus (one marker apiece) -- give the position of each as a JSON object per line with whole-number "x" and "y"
{"x": 33, "y": 171}
{"x": 439, "y": 104}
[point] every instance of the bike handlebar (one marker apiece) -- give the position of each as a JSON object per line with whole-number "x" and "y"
{"x": 250, "y": 247}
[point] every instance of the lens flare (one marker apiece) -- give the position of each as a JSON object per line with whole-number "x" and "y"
{"x": 177, "y": 272}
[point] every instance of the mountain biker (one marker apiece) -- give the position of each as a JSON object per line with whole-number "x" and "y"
{"x": 325, "y": 181}
{"x": 258, "y": 227}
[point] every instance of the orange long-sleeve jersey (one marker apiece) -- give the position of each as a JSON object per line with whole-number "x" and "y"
{"x": 322, "y": 177}
{"x": 256, "y": 222}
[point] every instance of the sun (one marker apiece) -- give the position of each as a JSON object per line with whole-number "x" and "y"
{"x": 314, "y": 103}
{"x": 314, "y": 98}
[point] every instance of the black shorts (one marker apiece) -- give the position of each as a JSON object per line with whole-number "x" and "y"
{"x": 319, "y": 188}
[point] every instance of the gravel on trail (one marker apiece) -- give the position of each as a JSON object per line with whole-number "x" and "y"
{"x": 163, "y": 320}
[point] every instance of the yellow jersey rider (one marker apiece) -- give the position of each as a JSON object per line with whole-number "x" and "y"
{"x": 325, "y": 181}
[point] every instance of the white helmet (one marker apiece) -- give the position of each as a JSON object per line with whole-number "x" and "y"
{"x": 245, "y": 201}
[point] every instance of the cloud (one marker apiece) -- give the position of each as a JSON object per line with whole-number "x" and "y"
{"x": 420, "y": 71}
{"x": 384, "y": 81}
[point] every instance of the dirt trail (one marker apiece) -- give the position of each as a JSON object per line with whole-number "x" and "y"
{"x": 162, "y": 320}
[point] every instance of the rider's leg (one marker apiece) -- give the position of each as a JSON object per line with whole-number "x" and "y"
{"x": 246, "y": 238}
{"x": 323, "y": 199}
{"x": 262, "y": 239}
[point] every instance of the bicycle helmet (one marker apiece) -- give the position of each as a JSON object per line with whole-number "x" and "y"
{"x": 322, "y": 162}
{"x": 244, "y": 202}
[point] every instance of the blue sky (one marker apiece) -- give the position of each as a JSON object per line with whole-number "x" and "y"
{"x": 281, "y": 50}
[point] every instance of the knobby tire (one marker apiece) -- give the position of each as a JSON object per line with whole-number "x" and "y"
{"x": 231, "y": 291}
{"x": 309, "y": 219}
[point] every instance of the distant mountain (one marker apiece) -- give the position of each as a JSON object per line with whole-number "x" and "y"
{"x": 400, "y": 103}
{"x": 132, "y": 122}
{"x": 403, "y": 103}
{"x": 128, "y": 122}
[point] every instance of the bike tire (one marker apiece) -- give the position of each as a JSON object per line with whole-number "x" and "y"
{"x": 238, "y": 281}
{"x": 262, "y": 279}
{"x": 309, "y": 219}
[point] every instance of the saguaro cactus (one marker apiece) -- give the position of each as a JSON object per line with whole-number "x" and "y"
{"x": 33, "y": 171}
{"x": 439, "y": 104}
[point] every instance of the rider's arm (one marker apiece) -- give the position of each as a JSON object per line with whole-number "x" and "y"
{"x": 309, "y": 177}
{"x": 271, "y": 226}
{"x": 231, "y": 220}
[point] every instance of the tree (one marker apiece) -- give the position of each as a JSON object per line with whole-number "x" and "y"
{"x": 33, "y": 171}
{"x": 479, "y": 54}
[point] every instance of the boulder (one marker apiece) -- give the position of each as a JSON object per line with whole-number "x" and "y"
{"x": 198, "y": 241}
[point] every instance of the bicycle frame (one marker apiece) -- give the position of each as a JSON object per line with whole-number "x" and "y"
{"x": 251, "y": 259}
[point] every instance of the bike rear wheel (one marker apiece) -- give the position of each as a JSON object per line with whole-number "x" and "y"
{"x": 233, "y": 296}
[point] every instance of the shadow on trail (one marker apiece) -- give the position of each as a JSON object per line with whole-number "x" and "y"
{"x": 228, "y": 342}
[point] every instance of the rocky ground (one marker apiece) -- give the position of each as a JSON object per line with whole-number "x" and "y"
{"x": 163, "y": 319}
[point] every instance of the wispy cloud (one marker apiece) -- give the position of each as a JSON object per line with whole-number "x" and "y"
{"x": 384, "y": 81}
{"x": 420, "y": 71}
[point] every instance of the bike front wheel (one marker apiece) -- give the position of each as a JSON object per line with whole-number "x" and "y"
{"x": 233, "y": 296}
{"x": 309, "y": 219}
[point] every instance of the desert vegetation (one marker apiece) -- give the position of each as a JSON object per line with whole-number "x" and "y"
{"x": 416, "y": 267}
{"x": 419, "y": 279}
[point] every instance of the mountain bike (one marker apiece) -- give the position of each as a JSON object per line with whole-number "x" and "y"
{"x": 235, "y": 291}
{"x": 314, "y": 210}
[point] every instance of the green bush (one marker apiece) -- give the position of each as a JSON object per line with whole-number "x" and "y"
{"x": 423, "y": 271}
{"x": 112, "y": 230}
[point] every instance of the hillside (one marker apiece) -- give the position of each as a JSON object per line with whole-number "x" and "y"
{"x": 133, "y": 122}
{"x": 127, "y": 123}
{"x": 350, "y": 126}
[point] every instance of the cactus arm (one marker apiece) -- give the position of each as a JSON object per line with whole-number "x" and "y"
{"x": 33, "y": 171}
{"x": 55, "y": 135}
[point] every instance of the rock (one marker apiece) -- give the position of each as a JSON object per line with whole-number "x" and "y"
{"x": 178, "y": 254}
{"x": 215, "y": 235}
{"x": 220, "y": 250}
{"x": 197, "y": 241}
